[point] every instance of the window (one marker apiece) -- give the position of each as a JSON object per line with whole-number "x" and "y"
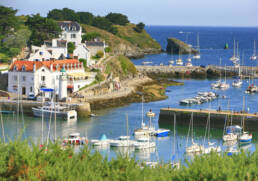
{"x": 30, "y": 89}
{"x": 23, "y": 68}
{"x": 15, "y": 68}
{"x": 32, "y": 78}
{"x": 15, "y": 77}
{"x": 79, "y": 86}
{"x": 43, "y": 78}
{"x": 43, "y": 70}
{"x": 23, "y": 78}
{"x": 73, "y": 35}
{"x": 15, "y": 87}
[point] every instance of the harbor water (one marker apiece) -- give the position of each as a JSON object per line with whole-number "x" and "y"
{"x": 112, "y": 122}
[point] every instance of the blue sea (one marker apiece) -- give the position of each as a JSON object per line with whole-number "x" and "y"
{"x": 212, "y": 42}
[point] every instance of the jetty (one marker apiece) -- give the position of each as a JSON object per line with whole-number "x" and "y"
{"x": 246, "y": 71}
{"x": 217, "y": 117}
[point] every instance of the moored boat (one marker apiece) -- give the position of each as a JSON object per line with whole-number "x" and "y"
{"x": 75, "y": 139}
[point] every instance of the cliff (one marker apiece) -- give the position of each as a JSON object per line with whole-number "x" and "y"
{"x": 127, "y": 42}
{"x": 176, "y": 46}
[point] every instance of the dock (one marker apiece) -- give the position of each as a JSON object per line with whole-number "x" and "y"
{"x": 217, "y": 118}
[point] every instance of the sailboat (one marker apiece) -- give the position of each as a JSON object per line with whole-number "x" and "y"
{"x": 179, "y": 61}
{"x": 194, "y": 148}
{"x": 238, "y": 82}
{"x": 224, "y": 85}
{"x": 174, "y": 163}
{"x": 197, "y": 56}
{"x": 145, "y": 129}
{"x": 189, "y": 64}
{"x": 123, "y": 141}
{"x": 211, "y": 147}
{"x": 216, "y": 84}
{"x": 228, "y": 135}
{"x": 171, "y": 62}
{"x": 245, "y": 137}
{"x": 254, "y": 56}
{"x": 234, "y": 57}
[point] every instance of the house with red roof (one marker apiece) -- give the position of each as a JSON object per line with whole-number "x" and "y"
{"x": 27, "y": 77}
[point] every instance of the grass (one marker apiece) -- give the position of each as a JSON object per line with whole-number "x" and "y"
{"x": 25, "y": 160}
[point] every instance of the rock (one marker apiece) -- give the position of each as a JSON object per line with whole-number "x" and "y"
{"x": 176, "y": 46}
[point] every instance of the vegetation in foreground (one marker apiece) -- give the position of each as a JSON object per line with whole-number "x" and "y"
{"x": 23, "y": 160}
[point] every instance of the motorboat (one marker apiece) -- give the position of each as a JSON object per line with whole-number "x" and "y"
{"x": 103, "y": 141}
{"x": 63, "y": 112}
{"x": 216, "y": 84}
{"x": 162, "y": 132}
{"x": 179, "y": 62}
{"x": 245, "y": 138}
{"x": 146, "y": 62}
{"x": 237, "y": 83}
{"x": 188, "y": 64}
{"x": 197, "y": 55}
{"x": 75, "y": 139}
{"x": 122, "y": 141}
{"x": 171, "y": 62}
{"x": 144, "y": 143}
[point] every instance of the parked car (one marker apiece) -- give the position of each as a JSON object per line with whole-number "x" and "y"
{"x": 31, "y": 96}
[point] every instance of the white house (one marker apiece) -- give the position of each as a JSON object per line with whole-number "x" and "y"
{"x": 26, "y": 77}
{"x": 52, "y": 49}
{"x": 71, "y": 32}
{"x": 81, "y": 51}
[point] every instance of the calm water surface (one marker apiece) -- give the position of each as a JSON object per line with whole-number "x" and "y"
{"x": 112, "y": 122}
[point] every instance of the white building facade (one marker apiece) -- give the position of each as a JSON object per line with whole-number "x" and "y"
{"x": 71, "y": 32}
{"x": 25, "y": 77}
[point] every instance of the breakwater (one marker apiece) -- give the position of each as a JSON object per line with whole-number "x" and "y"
{"x": 217, "y": 118}
{"x": 199, "y": 72}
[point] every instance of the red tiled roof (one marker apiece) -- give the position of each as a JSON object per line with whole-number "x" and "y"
{"x": 29, "y": 64}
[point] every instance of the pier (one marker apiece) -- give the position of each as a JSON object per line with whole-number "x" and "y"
{"x": 246, "y": 71}
{"x": 217, "y": 118}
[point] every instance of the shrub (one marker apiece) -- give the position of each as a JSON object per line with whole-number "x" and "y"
{"x": 84, "y": 61}
{"x": 70, "y": 47}
{"x": 99, "y": 54}
{"x": 90, "y": 36}
{"x": 108, "y": 49}
{"x": 139, "y": 27}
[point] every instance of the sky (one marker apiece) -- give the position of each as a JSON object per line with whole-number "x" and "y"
{"x": 159, "y": 12}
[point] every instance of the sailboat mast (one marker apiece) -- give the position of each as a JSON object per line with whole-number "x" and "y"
{"x": 234, "y": 48}
{"x": 42, "y": 120}
{"x": 2, "y": 124}
{"x": 254, "y": 48}
{"x": 142, "y": 110}
{"x": 174, "y": 147}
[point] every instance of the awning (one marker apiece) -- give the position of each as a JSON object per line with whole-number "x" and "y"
{"x": 70, "y": 86}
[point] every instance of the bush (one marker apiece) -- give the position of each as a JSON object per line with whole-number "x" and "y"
{"x": 99, "y": 54}
{"x": 84, "y": 61}
{"x": 108, "y": 49}
{"x": 90, "y": 36}
{"x": 139, "y": 27}
{"x": 117, "y": 18}
{"x": 70, "y": 47}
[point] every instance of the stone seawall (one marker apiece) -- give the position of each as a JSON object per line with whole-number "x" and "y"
{"x": 217, "y": 119}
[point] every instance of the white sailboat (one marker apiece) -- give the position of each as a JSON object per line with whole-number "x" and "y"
{"x": 211, "y": 145}
{"x": 228, "y": 136}
{"x": 123, "y": 141}
{"x": 194, "y": 148}
{"x": 254, "y": 56}
{"x": 179, "y": 61}
{"x": 144, "y": 143}
{"x": 234, "y": 57}
{"x": 174, "y": 162}
{"x": 197, "y": 56}
{"x": 245, "y": 137}
{"x": 238, "y": 82}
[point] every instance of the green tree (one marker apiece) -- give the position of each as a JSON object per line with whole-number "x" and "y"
{"x": 85, "y": 17}
{"x": 8, "y": 21}
{"x": 117, "y": 18}
{"x": 64, "y": 14}
{"x": 139, "y": 27}
{"x": 104, "y": 23}
{"x": 84, "y": 61}
{"x": 90, "y": 36}
{"x": 56, "y": 14}
{"x": 70, "y": 47}
{"x": 42, "y": 29}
